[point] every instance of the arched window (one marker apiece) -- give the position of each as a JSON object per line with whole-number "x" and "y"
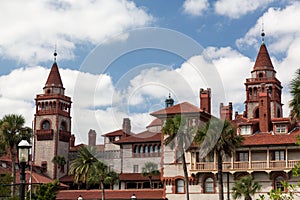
{"x": 141, "y": 149}
{"x": 179, "y": 186}
{"x": 63, "y": 126}
{"x": 260, "y": 75}
{"x": 136, "y": 149}
{"x": 250, "y": 91}
{"x": 209, "y": 185}
{"x": 256, "y": 113}
{"x": 255, "y": 91}
{"x": 150, "y": 149}
{"x": 45, "y": 125}
{"x": 278, "y": 113}
{"x": 278, "y": 183}
{"x": 145, "y": 149}
{"x": 155, "y": 148}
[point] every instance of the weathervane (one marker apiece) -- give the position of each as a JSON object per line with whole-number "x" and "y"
{"x": 55, "y": 54}
{"x": 262, "y": 31}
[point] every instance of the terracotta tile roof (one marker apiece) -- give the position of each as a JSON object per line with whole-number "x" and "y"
{"x": 119, "y": 132}
{"x": 155, "y": 122}
{"x": 76, "y": 147}
{"x": 37, "y": 178}
{"x": 184, "y": 107}
{"x": 281, "y": 120}
{"x": 154, "y": 194}
{"x": 54, "y": 77}
{"x": 136, "y": 177}
{"x": 263, "y": 59}
{"x": 66, "y": 179}
{"x": 145, "y": 136}
{"x": 262, "y": 139}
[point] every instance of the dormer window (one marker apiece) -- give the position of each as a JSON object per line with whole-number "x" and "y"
{"x": 245, "y": 130}
{"x": 280, "y": 128}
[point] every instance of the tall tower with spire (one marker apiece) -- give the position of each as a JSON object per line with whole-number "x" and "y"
{"x": 263, "y": 91}
{"x": 52, "y": 125}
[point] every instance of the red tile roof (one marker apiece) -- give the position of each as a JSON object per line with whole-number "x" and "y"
{"x": 154, "y": 194}
{"x": 119, "y": 132}
{"x": 263, "y": 59}
{"x": 263, "y": 139}
{"x": 184, "y": 107}
{"x": 145, "y": 136}
{"x": 54, "y": 77}
{"x": 136, "y": 177}
{"x": 155, "y": 122}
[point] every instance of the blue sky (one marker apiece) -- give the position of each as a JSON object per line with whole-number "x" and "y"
{"x": 107, "y": 84}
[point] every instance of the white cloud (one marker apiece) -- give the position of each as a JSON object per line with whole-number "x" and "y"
{"x": 30, "y": 28}
{"x": 237, "y": 8}
{"x": 195, "y": 7}
{"x": 279, "y": 26}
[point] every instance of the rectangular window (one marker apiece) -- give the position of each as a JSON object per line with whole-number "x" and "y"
{"x": 179, "y": 186}
{"x": 243, "y": 156}
{"x": 280, "y": 128}
{"x": 135, "y": 168}
{"x": 111, "y": 168}
{"x": 178, "y": 156}
{"x": 245, "y": 130}
{"x": 279, "y": 155}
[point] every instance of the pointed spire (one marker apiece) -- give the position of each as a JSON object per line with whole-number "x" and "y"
{"x": 54, "y": 78}
{"x": 263, "y": 60}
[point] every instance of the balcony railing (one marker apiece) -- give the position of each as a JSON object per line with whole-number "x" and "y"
{"x": 246, "y": 165}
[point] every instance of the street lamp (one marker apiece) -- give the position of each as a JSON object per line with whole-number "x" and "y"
{"x": 133, "y": 197}
{"x": 23, "y": 156}
{"x": 80, "y": 198}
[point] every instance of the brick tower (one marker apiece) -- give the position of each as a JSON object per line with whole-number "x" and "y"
{"x": 263, "y": 91}
{"x": 52, "y": 125}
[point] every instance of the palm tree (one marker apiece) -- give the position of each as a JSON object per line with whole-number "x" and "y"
{"x": 102, "y": 176}
{"x": 111, "y": 179}
{"x": 180, "y": 136}
{"x": 60, "y": 161}
{"x": 81, "y": 166}
{"x": 218, "y": 136}
{"x": 87, "y": 169}
{"x": 294, "y": 87}
{"x": 150, "y": 169}
{"x": 13, "y": 131}
{"x": 245, "y": 187}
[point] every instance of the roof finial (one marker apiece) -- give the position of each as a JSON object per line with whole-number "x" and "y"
{"x": 262, "y": 31}
{"x": 55, "y": 54}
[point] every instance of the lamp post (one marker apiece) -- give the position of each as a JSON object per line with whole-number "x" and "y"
{"x": 80, "y": 198}
{"x": 133, "y": 197}
{"x": 23, "y": 156}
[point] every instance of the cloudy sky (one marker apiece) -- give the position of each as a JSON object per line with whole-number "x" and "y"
{"x": 122, "y": 58}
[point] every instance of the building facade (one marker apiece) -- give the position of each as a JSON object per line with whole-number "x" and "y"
{"x": 268, "y": 152}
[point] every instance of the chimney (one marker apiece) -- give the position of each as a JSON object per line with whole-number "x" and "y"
{"x": 264, "y": 112}
{"x": 126, "y": 126}
{"x": 72, "y": 140}
{"x": 205, "y": 99}
{"x": 92, "y": 137}
{"x": 226, "y": 111}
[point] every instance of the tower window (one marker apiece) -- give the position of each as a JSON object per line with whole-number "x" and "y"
{"x": 260, "y": 75}
{"x": 46, "y": 125}
{"x": 256, "y": 113}
{"x": 63, "y": 126}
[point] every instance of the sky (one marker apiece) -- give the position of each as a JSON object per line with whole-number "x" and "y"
{"x": 122, "y": 58}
